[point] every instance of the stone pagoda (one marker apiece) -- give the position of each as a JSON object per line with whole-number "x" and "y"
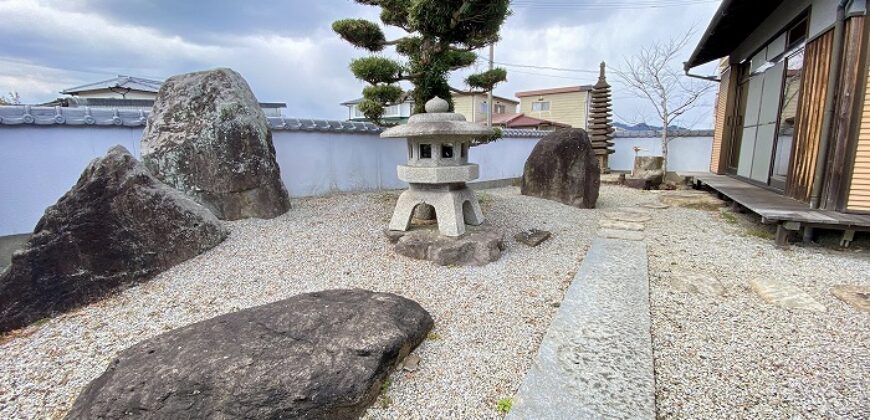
{"x": 438, "y": 168}
{"x": 600, "y": 123}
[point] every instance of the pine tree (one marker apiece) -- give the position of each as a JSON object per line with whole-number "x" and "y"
{"x": 442, "y": 37}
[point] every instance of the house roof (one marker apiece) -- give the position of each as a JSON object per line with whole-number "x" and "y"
{"x": 409, "y": 100}
{"x": 731, "y": 24}
{"x": 500, "y": 98}
{"x": 125, "y": 82}
{"x": 551, "y": 91}
{"x": 406, "y": 98}
{"x": 522, "y": 120}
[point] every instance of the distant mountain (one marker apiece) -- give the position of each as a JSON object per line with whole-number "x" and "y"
{"x": 644, "y": 127}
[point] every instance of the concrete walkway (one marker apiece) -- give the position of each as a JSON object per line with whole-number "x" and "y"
{"x": 596, "y": 358}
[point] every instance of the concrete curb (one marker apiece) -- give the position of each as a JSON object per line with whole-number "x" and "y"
{"x": 596, "y": 359}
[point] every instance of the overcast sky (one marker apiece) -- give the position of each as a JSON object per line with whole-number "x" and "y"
{"x": 288, "y": 53}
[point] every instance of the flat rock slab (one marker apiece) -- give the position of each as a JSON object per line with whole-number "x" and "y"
{"x": 478, "y": 246}
{"x": 654, "y": 206}
{"x": 785, "y": 295}
{"x": 620, "y": 225}
{"x": 856, "y": 296}
{"x": 320, "y": 355}
{"x": 596, "y": 358}
{"x": 627, "y": 216}
{"x": 532, "y": 237}
{"x": 626, "y": 235}
{"x": 697, "y": 283}
{"x": 691, "y": 199}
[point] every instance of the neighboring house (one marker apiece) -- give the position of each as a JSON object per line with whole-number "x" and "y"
{"x": 128, "y": 92}
{"x": 523, "y": 121}
{"x": 121, "y": 87}
{"x": 393, "y": 114}
{"x": 475, "y": 108}
{"x": 776, "y": 125}
{"x": 472, "y": 106}
{"x": 566, "y": 105}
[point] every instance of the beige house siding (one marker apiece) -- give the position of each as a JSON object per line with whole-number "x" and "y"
{"x": 469, "y": 106}
{"x": 566, "y": 108}
{"x": 859, "y": 189}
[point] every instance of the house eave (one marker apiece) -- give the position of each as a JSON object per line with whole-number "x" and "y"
{"x": 733, "y": 22}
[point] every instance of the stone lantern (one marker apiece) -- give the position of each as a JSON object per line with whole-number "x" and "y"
{"x": 438, "y": 168}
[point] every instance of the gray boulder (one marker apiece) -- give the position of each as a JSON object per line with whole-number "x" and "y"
{"x": 320, "y": 355}
{"x": 563, "y": 167}
{"x": 478, "y": 246}
{"x": 116, "y": 226}
{"x": 648, "y": 172}
{"x": 207, "y": 137}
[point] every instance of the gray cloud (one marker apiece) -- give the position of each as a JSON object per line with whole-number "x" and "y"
{"x": 287, "y": 51}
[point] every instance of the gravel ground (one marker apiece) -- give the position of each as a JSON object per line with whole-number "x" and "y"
{"x": 489, "y": 320}
{"x": 735, "y": 356}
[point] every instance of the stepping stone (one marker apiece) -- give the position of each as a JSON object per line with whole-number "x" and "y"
{"x": 532, "y": 237}
{"x": 856, "y": 296}
{"x": 785, "y": 295}
{"x": 628, "y": 235}
{"x": 654, "y": 206}
{"x": 616, "y": 224}
{"x": 697, "y": 283}
{"x": 691, "y": 199}
{"x": 627, "y": 216}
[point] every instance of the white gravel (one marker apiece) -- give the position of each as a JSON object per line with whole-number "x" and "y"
{"x": 735, "y": 356}
{"x": 489, "y": 320}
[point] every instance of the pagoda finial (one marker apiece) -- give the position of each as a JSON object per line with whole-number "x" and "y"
{"x": 601, "y": 73}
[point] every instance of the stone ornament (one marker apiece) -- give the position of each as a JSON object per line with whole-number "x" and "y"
{"x": 600, "y": 122}
{"x": 438, "y": 168}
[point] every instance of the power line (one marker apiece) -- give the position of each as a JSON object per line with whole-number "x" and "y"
{"x": 609, "y": 5}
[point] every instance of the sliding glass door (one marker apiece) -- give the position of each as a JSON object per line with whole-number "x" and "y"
{"x": 770, "y": 89}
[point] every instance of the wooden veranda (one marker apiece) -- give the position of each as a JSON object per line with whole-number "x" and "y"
{"x": 788, "y": 214}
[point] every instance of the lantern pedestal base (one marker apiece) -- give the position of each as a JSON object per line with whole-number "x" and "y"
{"x": 455, "y": 206}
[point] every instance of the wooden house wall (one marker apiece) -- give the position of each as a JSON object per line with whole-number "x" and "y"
{"x": 808, "y": 130}
{"x": 847, "y": 112}
{"x": 722, "y": 128}
{"x": 859, "y": 186}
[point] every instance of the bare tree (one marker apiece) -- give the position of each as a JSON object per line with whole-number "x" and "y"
{"x": 656, "y": 74}
{"x": 13, "y": 99}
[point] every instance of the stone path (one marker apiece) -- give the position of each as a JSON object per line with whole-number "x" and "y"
{"x": 855, "y": 296}
{"x": 596, "y": 358}
{"x": 785, "y": 294}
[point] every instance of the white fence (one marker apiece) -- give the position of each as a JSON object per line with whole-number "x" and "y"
{"x": 685, "y": 154}
{"x": 42, "y": 156}
{"x": 39, "y": 164}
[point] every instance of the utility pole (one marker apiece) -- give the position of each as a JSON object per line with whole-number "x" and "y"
{"x": 489, "y": 95}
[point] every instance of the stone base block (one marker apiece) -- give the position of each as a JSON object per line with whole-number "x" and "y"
{"x": 639, "y": 183}
{"x": 478, "y": 246}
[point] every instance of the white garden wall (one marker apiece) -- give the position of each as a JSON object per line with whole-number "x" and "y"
{"x": 43, "y": 151}
{"x": 38, "y": 164}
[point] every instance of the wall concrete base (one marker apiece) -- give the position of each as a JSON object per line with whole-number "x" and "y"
{"x": 596, "y": 358}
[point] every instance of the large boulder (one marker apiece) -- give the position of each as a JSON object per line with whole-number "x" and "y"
{"x": 563, "y": 167}
{"x": 320, "y": 355}
{"x": 116, "y": 226}
{"x": 207, "y": 137}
